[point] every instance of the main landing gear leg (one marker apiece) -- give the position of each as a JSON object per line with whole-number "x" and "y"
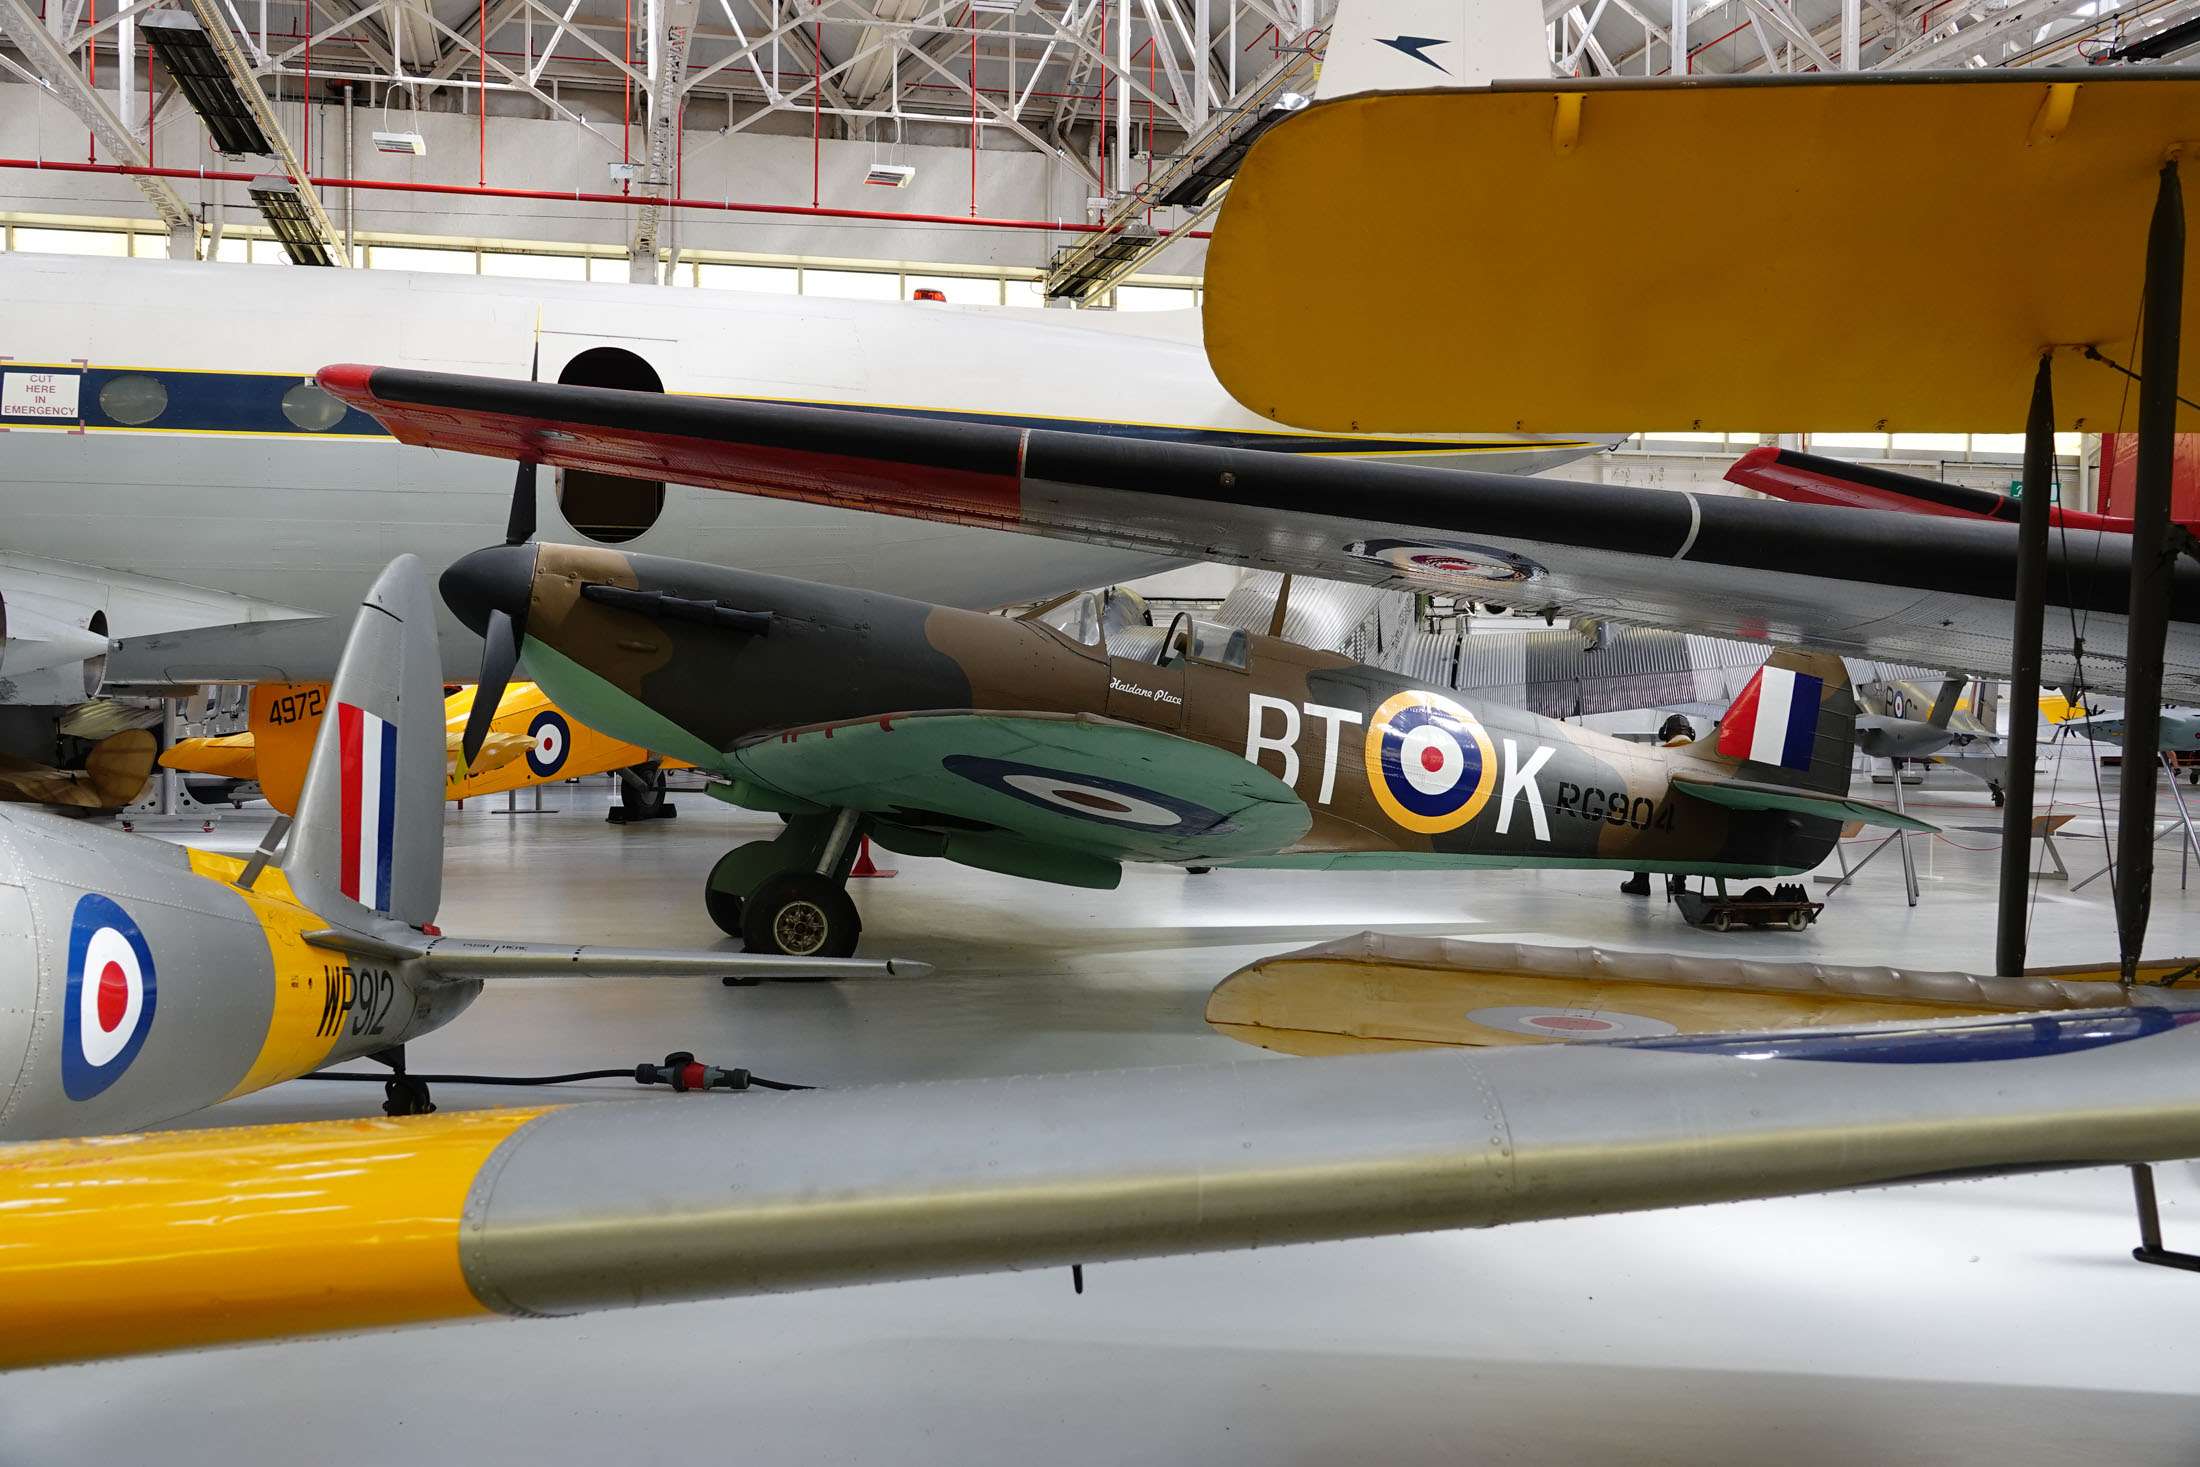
{"x": 788, "y": 895}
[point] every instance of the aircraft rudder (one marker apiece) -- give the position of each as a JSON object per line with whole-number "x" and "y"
{"x": 369, "y": 833}
{"x": 1795, "y": 722}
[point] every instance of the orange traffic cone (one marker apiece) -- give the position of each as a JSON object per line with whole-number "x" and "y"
{"x": 863, "y": 866}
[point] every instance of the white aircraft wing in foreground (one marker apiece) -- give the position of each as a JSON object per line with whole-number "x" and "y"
{"x": 1931, "y": 592}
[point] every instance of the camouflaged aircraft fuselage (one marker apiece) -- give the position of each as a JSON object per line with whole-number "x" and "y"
{"x": 700, "y": 662}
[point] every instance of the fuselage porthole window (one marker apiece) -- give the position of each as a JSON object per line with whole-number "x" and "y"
{"x": 610, "y": 508}
{"x": 133, "y": 399}
{"x": 311, "y": 409}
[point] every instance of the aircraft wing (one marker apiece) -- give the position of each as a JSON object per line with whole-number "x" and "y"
{"x": 1808, "y": 478}
{"x": 464, "y": 959}
{"x": 531, "y": 1212}
{"x": 1929, "y": 592}
{"x": 998, "y": 789}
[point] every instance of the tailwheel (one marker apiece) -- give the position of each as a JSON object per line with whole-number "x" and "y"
{"x": 802, "y": 915}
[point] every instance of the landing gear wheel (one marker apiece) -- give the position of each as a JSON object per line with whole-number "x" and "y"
{"x": 724, "y": 908}
{"x": 404, "y": 1096}
{"x": 2001, "y": 796}
{"x": 802, "y": 915}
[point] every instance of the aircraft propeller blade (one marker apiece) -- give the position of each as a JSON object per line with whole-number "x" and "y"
{"x": 499, "y": 655}
{"x": 519, "y": 527}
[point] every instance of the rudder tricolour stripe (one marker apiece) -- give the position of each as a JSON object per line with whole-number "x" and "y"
{"x": 367, "y": 747}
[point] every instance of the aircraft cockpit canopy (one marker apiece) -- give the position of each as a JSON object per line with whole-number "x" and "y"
{"x": 1084, "y": 619}
{"x": 1076, "y": 617}
{"x": 1215, "y": 644}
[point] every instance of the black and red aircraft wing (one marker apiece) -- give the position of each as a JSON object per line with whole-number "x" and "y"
{"x": 1930, "y": 592}
{"x": 1808, "y": 478}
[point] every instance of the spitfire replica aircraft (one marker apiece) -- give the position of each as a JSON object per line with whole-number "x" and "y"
{"x": 1033, "y": 747}
{"x": 530, "y": 742}
{"x": 146, "y": 980}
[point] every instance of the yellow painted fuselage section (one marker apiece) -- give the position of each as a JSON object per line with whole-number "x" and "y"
{"x": 531, "y": 742}
{"x": 310, "y": 982}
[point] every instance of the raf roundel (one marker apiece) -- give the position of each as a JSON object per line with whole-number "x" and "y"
{"x": 1092, "y": 797}
{"x": 1429, "y": 763}
{"x": 1455, "y": 561}
{"x": 108, "y": 1009}
{"x": 1556, "y": 1023}
{"x": 553, "y": 737}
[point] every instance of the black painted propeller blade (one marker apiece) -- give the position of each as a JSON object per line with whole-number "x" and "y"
{"x": 499, "y": 655}
{"x": 519, "y": 527}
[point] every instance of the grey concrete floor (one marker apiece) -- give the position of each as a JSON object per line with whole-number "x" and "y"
{"x": 1987, "y": 1321}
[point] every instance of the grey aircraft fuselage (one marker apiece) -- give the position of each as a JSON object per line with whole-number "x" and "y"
{"x": 162, "y": 428}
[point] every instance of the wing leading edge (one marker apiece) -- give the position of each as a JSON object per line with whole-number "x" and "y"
{"x": 1927, "y": 591}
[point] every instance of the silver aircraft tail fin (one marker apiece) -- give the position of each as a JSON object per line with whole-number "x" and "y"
{"x": 368, "y": 841}
{"x": 1944, "y": 706}
{"x": 1795, "y": 724}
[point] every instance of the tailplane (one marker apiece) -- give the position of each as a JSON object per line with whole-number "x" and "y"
{"x": 1795, "y": 724}
{"x": 368, "y": 841}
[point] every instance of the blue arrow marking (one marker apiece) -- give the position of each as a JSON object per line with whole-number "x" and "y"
{"x": 1416, "y": 47}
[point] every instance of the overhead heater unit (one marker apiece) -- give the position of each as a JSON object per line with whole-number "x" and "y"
{"x": 400, "y": 142}
{"x": 286, "y": 214}
{"x": 183, "y": 46}
{"x": 890, "y": 175}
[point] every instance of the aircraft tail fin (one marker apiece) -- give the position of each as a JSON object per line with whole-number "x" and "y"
{"x": 1944, "y": 705}
{"x": 1419, "y": 45}
{"x": 368, "y": 841}
{"x": 1795, "y": 724}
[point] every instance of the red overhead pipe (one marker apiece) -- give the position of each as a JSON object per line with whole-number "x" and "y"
{"x": 972, "y": 15}
{"x": 817, "y": 115}
{"x": 575, "y": 196}
{"x": 481, "y": 98}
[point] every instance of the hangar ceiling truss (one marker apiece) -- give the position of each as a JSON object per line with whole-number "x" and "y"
{"x": 1143, "y": 104}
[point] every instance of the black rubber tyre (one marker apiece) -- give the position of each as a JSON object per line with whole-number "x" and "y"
{"x": 802, "y": 915}
{"x": 724, "y": 908}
